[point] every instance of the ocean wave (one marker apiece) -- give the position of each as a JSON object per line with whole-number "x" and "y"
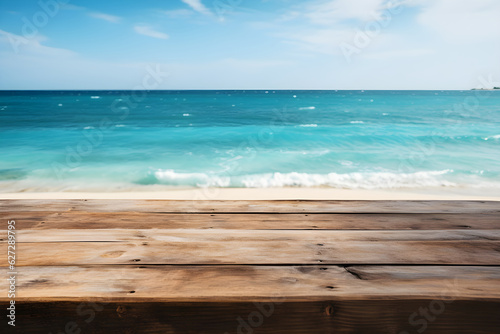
{"x": 95, "y": 97}
{"x": 492, "y": 137}
{"x": 191, "y": 179}
{"x": 357, "y": 122}
{"x": 374, "y": 180}
{"x": 349, "y": 180}
{"x": 307, "y": 108}
{"x": 309, "y": 125}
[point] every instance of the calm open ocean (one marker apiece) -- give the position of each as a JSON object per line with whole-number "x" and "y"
{"x": 124, "y": 140}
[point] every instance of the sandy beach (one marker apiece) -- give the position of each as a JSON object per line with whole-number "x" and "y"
{"x": 262, "y": 194}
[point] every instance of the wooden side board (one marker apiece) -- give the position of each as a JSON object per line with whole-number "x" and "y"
{"x": 412, "y": 316}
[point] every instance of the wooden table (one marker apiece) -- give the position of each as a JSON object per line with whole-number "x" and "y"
{"x": 152, "y": 266}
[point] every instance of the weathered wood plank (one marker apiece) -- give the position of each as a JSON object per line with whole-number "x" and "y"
{"x": 251, "y": 221}
{"x": 196, "y": 236}
{"x": 213, "y": 249}
{"x": 357, "y": 316}
{"x": 197, "y": 267}
{"x": 152, "y": 206}
{"x": 255, "y": 283}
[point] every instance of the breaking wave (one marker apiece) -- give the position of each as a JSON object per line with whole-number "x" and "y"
{"x": 378, "y": 180}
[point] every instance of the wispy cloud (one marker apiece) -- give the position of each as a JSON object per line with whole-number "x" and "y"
{"x": 68, "y": 6}
{"x": 328, "y": 12}
{"x": 148, "y": 31}
{"x": 30, "y": 46}
{"x": 399, "y": 54}
{"x": 462, "y": 20}
{"x": 198, "y": 6}
{"x": 175, "y": 13}
{"x": 105, "y": 17}
{"x": 331, "y": 12}
{"x": 324, "y": 41}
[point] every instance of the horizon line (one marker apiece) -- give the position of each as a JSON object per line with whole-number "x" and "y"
{"x": 229, "y": 89}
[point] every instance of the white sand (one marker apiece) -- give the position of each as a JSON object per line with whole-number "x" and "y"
{"x": 260, "y": 194}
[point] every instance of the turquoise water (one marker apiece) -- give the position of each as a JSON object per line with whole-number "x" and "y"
{"x": 124, "y": 140}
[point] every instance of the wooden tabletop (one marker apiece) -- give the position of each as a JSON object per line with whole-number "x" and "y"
{"x": 153, "y": 266}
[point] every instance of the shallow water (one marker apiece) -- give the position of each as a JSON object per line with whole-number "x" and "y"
{"x": 119, "y": 140}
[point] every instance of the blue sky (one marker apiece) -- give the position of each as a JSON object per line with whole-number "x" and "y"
{"x": 250, "y": 44}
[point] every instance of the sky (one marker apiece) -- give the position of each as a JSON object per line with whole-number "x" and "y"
{"x": 249, "y": 44}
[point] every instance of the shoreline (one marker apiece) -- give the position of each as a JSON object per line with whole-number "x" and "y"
{"x": 259, "y": 194}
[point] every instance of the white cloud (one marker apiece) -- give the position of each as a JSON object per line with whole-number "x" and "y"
{"x": 68, "y": 6}
{"x": 175, "y": 13}
{"x": 332, "y": 11}
{"x": 398, "y": 54}
{"x": 198, "y": 6}
{"x": 323, "y": 41}
{"x": 106, "y": 17}
{"x": 148, "y": 31}
{"x": 250, "y": 64}
{"x": 322, "y": 26}
{"x": 462, "y": 20}
{"x": 30, "y": 46}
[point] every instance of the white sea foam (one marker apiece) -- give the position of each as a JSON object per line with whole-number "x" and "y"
{"x": 95, "y": 97}
{"x": 379, "y": 180}
{"x": 307, "y": 108}
{"x": 120, "y": 126}
{"x": 186, "y": 115}
{"x": 349, "y": 180}
{"x": 309, "y": 125}
{"x": 88, "y": 127}
{"x": 191, "y": 179}
{"x": 357, "y": 122}
{"x": 492, "y": 137}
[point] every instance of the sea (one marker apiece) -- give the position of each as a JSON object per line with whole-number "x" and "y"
{"x": 107, "y": 141}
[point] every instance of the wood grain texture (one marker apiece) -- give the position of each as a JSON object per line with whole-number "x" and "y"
{"x": 292, "y": 236}
{"x": 356, "y": 316}
{"x": 161, "y": 206}
{"x": 238, "y": 252}
{"x": 216, "y": 283}
{"x": 152, "y": 266}
{"x": 80, "y": 247}
{"x": 251, "y": 221}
